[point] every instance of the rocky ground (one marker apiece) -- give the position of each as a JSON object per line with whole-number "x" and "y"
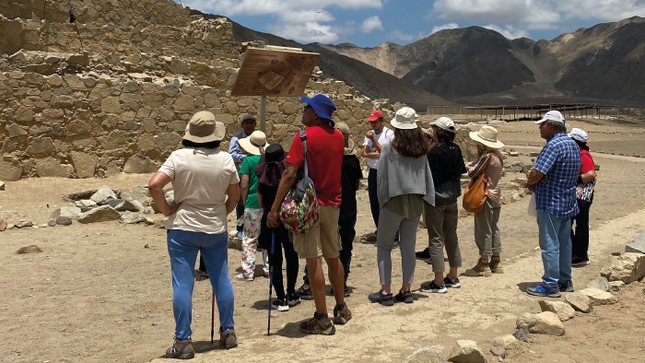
{"x": 101, "y": 291}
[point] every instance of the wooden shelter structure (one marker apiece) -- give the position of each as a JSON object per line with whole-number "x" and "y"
{"x": 525, "y": 112}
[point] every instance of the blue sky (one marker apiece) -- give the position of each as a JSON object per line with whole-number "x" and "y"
{"x": 368, "y": 23}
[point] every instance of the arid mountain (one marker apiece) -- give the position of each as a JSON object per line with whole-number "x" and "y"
{"x": 479, "y": 66}
{"x": 369, "y": 80}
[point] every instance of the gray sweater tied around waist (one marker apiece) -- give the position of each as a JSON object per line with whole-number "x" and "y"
{"x": 401, "y": 175}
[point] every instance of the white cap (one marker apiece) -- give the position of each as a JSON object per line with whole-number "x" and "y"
{"x": 555, "y": 116}
{"x": 445, "y": 123}
{"x": 405, "y": 119}
{"x": 578, "y": 134}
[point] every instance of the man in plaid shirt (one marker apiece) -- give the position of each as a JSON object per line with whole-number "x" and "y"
{"x": 553, "y": 179}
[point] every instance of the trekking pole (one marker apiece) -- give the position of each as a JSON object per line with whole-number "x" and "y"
{"x": 270, "y": 282}
{"x": 213, "y": 317}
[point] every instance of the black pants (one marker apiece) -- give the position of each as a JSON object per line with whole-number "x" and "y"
{"x": 281, "y": 242}
{"x": 347, "y": 231}
{"x": 580, "y": 236}
{"x": 373, "y": 194}
{"x": 239, "y": 212}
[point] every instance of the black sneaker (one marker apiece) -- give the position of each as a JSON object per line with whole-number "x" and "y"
{"x": 405, "y": 297}
{"x": 454, "y": 283}
{"x": 383, "y": 299}
{"x": 201, "y": 275}
{"x": 305, "y": 293}
{"x": 566, "y": 286}
{"x": 293, "y": 299}
{"x": 345, "y": 291}
{"x": 423, "y": 255}
{"x": 280, "y": 304}
{"x": 579, "y": 262}
{"x": 434, "y": 288}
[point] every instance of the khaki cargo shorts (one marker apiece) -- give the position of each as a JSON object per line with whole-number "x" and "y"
{"x": 323, "y": 238}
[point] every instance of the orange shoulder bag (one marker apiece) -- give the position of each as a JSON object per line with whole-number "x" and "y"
{"x": 477, "y": 190}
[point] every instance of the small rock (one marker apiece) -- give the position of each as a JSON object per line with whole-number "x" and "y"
{"x": 148, "y": 211}
{"x": 563, "y": 310}
{"x": 522, "y": 334}
{"x": 24, "y": 224}
{"x": 146, "y": 246}
{"x": 142, "y": 194}
{"x": 63, "y": 221}
{"x": 99, "y": 214}
{"x": 466, "y": 351}
{"x": 123, "y": 205}
{"x": 425, "y": 355}
{"x": 542, "y": 323}
{"x": 600, "y": 284}
{"x": 128, "y": 217}
{"x": 627, "y": 268}
{"x": 1, "y": 185}
{"x": 160, "y": 223}
{"x": 359, "y": 265}
{"x": 102, "y": 195}
{"x": 578, "y": 301}
{"x": 29, "y": 249}
{"x": 70, "y": 212}
{"x": 3, "y": 225}
{"x": 500, "y": 359}
{"x": 52, "y": 223}
{"x": 85, "y": 204}
{"x": 44, "y": 225}
{"x": 616, "y": 285}
{"x": 509, "y": 341}
{"x": 368, "y": 238}
{"x": 498, "y": 351}
{"x": 599, "y": 297}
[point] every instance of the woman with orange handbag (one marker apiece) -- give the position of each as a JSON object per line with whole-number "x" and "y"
{"x": 488, "y": 165}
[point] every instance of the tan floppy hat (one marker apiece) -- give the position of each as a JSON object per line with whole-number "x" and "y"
{"x": 253, "y": 143}
{"x": 349, "y": 143}
{"x": 203, "y": 128}
{"x": 487, "y": 135}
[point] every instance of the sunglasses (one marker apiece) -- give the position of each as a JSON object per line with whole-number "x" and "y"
{"x": 307, "y": 106}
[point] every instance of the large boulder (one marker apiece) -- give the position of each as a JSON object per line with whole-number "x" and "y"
{"x": 466, "y": 351}
{"x": 141, "y": 194}
{"x": 84, "y": 164}
{"x": 102, "y": 195}
{"x": 627, "y": 268}
{"x": 51, "y": 167}
{"x": 100, "y": 214}
{"x": 563, "y": 310}
{"x": 600, "y": 284}
{"x": 542, "y": 323}
{"x": 139, "y": 163}
{"x": 10, "y": 170}
{"x": 123, "y": 205}
{"x": 638, "y": 246}
{"x": 425, "y": 355}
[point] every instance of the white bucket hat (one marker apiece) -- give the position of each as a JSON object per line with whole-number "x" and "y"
{"x": 254, "y": 142}
{"x": 487, "y": 135}
{"x": 203, "y": 128}
{"x": 445, "y": 123}
{"x": 405, "y": 119}
{"x": 578, "y": 134}
{"x": 555, "y": 116}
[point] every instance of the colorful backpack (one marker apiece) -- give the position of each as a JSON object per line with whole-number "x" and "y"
{"x": 299, "y": 210}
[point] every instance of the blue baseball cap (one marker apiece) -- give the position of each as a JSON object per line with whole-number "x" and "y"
{"x": 322, "y": 105}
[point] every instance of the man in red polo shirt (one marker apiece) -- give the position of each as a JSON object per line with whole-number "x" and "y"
{"x": 325, "y": 149}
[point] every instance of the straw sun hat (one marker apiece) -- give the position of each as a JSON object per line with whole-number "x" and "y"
{"x": 253, "y": 143}
{"x": 203, "y": 128}
{"x": 487, "y": 136}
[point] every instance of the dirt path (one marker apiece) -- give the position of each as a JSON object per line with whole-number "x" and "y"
{"x": 96, "y": 294}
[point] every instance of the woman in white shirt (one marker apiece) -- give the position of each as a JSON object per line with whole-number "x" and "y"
{"x": 202, "y": 177}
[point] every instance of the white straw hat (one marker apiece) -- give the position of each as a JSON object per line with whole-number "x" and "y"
{"x": 253, "y": 143}
{"x": 405, "y": 119}
{"x": 487, "y": 135}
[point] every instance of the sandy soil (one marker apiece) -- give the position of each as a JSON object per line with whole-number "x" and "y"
{"x": 96, "y": 294}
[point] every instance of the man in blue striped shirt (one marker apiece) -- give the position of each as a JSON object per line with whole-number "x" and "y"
{"x": 553, "y": 179}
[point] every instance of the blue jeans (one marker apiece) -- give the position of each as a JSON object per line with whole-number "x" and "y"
{"x": 182, "y": 248}
{"x": 555, "y": 242}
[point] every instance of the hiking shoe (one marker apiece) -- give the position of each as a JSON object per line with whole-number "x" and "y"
{"x": 182, "y": 349}
{"x": 429, "y": 261}
{"x": 315, "y": 326}
{"x": 305, "y": 293}
{"x": 454, "y": 283}
{"x": 201, "y": 275}
{"x": 381, "y": 298}
{"x": 543, "y": 291}
{"x": 342, "y": 314}
{"x": 243, "y": 277}
{"x": 293, "y": 299}
{"x": 280, "y": 304}
{"x": 228, "y": 338}
{"x": 240, "y": 235}
{"x": 404, "y": 297}
{"x": 423, "y": 255}
{"x": 434, "y": 288}
{"x": 566, "y": 286}
{"x": 496, "y": 265}
{"x": 482, "y": 268}
{"x": 579, "y": 262}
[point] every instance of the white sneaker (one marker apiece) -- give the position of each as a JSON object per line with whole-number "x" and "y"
{"x": 242, "y": 277}
{"x": 280, "y": 304}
